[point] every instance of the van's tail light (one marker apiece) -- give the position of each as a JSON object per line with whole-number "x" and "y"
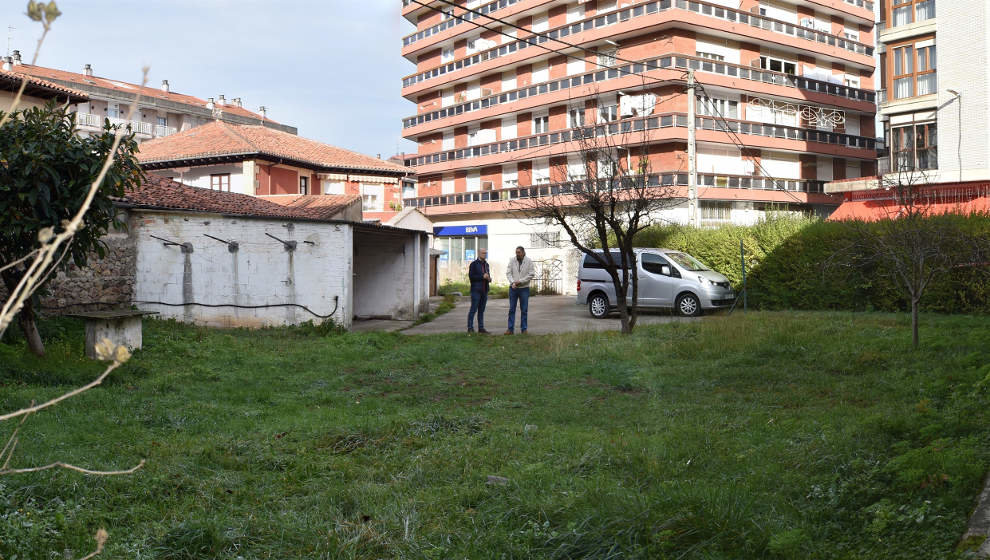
{"x": 579, "y": 284}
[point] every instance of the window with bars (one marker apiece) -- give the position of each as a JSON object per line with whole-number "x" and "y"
{"x": 545, "y": 240}
{"x": 716, "y": 211}
{"x": 914, "y": 147}
{"x": 220, "y": 182}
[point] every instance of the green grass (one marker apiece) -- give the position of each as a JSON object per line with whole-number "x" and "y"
{"x": 449, "y": 303}
{"x": 769, "y": 435}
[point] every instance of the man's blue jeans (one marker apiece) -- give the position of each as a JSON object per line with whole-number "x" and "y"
{"x": 522, "y": 296}
{"x": 479, "y": 298}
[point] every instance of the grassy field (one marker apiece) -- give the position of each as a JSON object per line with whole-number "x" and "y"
{"x": 771, "y": 435}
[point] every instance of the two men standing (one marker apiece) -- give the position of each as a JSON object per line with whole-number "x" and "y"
{"x": 519, "y": 273}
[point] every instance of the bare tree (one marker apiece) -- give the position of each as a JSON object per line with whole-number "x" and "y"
{"x": 605, "y": 200}
{"x": 912, "y": 240}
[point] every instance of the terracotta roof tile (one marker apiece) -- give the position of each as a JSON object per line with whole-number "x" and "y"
{"x": 223, "y": 139}
{"x": 11, "y": 81}
{"x": 325, "y": 205}
{"x": 117, "y": 85}
{"x": 158, "y": 192}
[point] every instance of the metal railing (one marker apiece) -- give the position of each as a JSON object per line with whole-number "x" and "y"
{"x": 640, "y": 10}
{"x": 679, "y": 61}
{"x": 455, "y": 20}
{"x": 662, "y": 179}
{"x": 642, "y": 124}
{"x": 138, "y": 127}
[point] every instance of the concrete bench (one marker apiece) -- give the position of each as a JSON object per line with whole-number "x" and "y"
{"x": 121, "y": 326}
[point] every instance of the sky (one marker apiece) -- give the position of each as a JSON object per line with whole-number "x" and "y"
{"x": 331, "y": 68}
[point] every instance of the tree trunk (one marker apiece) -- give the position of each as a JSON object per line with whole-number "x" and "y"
{"x": 26, "y": 319}
{"x": 914, "y": 322}
{"x": 623, "y": 306}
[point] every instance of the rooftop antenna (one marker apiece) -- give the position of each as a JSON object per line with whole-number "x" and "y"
{"x": 10, "y": 36}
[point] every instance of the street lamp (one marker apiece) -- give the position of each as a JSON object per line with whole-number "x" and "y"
{"x": 958, "y": 99}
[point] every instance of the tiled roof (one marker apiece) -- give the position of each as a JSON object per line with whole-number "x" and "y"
{"x": 324, "y": 206}
{"x": 219, "y": 139}
{"x": 164, "y": 194}
{"x": 125, "y": 87}
{"x": 36, "y": 87}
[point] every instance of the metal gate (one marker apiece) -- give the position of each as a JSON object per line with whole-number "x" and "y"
{"x": 547, "y": 277}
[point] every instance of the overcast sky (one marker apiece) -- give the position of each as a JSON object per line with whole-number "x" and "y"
{"x": 332, "y": 68}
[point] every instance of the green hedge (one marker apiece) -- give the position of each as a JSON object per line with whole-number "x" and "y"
{"x": 794, "y": 263}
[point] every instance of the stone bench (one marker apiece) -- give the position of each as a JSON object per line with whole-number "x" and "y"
{"x": 122, "y": 327}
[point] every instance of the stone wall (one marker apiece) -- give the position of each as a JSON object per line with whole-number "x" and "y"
{"x": 105, "y": 283}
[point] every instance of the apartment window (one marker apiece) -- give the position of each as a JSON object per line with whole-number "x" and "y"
{"x": 304, "y": 185}
{"x": 447, "y": 55}
{"x": 713, "y": 107}
{"x": 777, "y": 65}
{"x": 914, "y": 147}
{"x": 608, "y": 113}
{"x": 220, "y": 182}
{"x": 372, "y": 198}
{"x": 162, "y": 121}
{"x": 113, "y": 110}
{"x": 914, "y": 69}
{"x": 904, "y": 12}
{"x": 575, "y": 117}
{"x": 606, "y": 58}
{"x": 710, "y": 56}
{"x": 541, "y": 124}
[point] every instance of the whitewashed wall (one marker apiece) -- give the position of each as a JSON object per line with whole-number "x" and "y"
{"x": 261, "y": 272}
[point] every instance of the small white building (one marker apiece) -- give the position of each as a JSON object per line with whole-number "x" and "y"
{"x": 233, "y": 260}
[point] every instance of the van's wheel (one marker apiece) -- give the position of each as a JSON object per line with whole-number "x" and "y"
{"x": 598, "y": 306}
{"x": 688, "y": 305}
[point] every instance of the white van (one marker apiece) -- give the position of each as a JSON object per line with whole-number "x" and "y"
{"x": 667, "y": 279}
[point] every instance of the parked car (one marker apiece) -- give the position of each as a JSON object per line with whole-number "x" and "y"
{"x": 667, "y": 279}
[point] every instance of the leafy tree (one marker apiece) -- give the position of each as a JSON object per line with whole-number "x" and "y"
{"x": 46, "y": 171}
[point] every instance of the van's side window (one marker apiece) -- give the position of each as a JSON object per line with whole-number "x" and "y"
{"x": 590, "y": 262}
{"x": 653, "y": 263}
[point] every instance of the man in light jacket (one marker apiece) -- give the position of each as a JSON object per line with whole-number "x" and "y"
{"x": 519, "y": 272}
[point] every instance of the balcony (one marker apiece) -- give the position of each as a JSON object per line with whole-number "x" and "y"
{"x": 95, "y": 122}
{"x": 677, "y": 61}
{"x": 641, "y": 10}
{"x": 641, "y": 125}
{"x": 668, "y": 178}
{"x": 456, "y": 20}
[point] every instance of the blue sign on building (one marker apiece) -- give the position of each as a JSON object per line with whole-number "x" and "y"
{"x": 455, "y": 231}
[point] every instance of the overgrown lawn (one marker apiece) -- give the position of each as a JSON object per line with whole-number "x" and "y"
{"x": 769, "y": 435}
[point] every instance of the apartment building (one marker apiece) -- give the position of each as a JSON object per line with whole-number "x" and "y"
{"x": 159, "y": 112}
{"x": 504, "y": 90}
{"x": 934, "y": 106}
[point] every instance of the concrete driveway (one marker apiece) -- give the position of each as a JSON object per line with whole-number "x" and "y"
{"x": 547, "y": 314}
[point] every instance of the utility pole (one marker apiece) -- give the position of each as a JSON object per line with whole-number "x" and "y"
{"x": 692, "y": 152}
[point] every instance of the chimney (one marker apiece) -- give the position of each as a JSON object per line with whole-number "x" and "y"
{"x": 88, "y": 70}
{"x": 264, "y": 111}
{"x": 237, "y": 101}
{"x": 17, "y": 58}
{"x": 209, "y": 103}
{"x": 221, "y": 101}
{"x": 7, "y": 63}
{"x": 165, "y": 86}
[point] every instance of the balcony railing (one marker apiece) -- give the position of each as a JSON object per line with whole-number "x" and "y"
{"x": 671, "y": 61}
{"x": 138, "y": 127}
{"x": 640, "y": 10}
{"x": 642, "y": 124}
{"x": 670, "y": 178}
{"x": 456, "y": 20}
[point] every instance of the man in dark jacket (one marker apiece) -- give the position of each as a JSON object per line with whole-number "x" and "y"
{"x": 480, "y": 276}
